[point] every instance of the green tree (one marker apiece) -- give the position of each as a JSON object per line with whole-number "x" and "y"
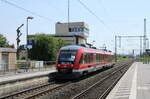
{"x": 45, "y": 48}
{"x": 3, "y": 41}
{"x": 60, "y": 43}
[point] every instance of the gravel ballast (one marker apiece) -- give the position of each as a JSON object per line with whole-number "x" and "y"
{"x": 76, "y": 87}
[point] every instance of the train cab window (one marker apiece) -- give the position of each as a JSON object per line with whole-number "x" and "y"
{"x": 67, "y": 56}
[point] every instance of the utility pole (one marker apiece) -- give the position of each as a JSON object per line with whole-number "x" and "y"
{"x": 119, "y": 41}
{"x": 18, "y": 39}
{"x": 76, "y": 36}
{"x": 120, "y": 37}
{"x": 68, "y": 13}
{"x": 140, "y": 46}
{"x": 133, "y": 52}
{"x": 28, "y": 18}
{"x": 144, "y": 40}
{"x": 115, "y": 48}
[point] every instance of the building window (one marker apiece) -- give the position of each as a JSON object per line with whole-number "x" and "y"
{"x": 76, "y": 29}
{"x": 79, "y": 30}
{"x": 70, "y": 30}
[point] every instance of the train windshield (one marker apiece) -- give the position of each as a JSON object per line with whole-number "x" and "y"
{"x": 67, "y": 56}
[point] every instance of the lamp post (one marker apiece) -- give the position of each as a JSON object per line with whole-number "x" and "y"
{"x": 29, "y": 17}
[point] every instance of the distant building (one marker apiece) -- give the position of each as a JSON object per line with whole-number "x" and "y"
{"x": 72, "y": 33}
{"x": 7, "y": 59}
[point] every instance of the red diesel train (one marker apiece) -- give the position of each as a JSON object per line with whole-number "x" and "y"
{"x": 74, "y": 61}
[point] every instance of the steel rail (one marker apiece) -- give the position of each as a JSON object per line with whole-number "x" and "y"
{"x": 100, "y": 81}
{"x": 106, "y": 92}
{"x": 25, "y": 90}
{"x": 30, "y": 90}
{"x": 46, "y": 91}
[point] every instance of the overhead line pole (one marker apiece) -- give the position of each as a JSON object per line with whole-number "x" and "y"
{"x": 68, "y": 13}
{"x": 144, "y": 40}
{"x": 115, "y": 48}
{"x": 126, "y": 37}
{"x": 140, "y": 46}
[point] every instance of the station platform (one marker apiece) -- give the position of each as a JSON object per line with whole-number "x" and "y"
{"x": 22, "y": 76}
{"x": 135, "y": 83}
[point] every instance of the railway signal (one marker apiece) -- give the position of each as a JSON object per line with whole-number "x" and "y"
{"x": 18, "y": 38}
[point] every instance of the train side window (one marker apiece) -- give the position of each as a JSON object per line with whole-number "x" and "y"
{"x": 105, "y": 57}
{"x": 92, "y": 57}
{"x": 81, "y": 59}
{"x": 97, "y": 58}
{"x": 87, "y": 58}
{"x": 101, "y": 57}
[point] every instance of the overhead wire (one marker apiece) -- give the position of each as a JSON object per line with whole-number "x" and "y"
{"x": 97, "y": 17}
{"x": 104, "y": 8}
{"x": 60, "y": 11}
{"x": 47, "y": 18}
{"x": 26, "y": 10}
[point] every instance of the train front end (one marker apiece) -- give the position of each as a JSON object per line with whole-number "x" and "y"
{"x": 66, "y": 62}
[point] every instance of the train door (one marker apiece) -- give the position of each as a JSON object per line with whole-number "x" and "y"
{"x": 4, "y": 62}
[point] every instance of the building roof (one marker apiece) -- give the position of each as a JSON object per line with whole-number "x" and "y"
{"x": 8, "y": 50}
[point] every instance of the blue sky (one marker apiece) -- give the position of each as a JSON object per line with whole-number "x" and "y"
{"x": 121, "y": 17}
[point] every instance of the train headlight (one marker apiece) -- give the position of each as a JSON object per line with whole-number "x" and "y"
{"x": 71, "y": 65}
{"x": 58, "y": 65}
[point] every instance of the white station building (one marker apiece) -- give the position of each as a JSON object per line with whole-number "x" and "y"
{"x": 72, "y": 33}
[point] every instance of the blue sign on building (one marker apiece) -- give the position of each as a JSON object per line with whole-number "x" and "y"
{"x": 31, "y": 42}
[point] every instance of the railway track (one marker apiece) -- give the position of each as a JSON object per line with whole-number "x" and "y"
{"x": 101, "y": 83}
{"x": 42, "y": 90}
{"x": 35, "y": 92}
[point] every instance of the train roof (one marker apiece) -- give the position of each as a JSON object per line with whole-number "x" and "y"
{"x": 77, "y": 47}
{"x": 74, "y": 47}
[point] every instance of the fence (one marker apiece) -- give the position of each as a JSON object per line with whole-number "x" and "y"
{"x": 24, "y": 67}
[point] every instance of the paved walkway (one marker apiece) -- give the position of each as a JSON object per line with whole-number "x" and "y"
{"x": 19, "y": 76}
{"x": 135, "y": 84}
{"x": 23, "y": 71}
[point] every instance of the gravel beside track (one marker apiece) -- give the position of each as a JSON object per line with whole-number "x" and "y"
{"x": 34, "y": 92}
{"x": 71, "y": 90}
{"x": 96, "y": 90}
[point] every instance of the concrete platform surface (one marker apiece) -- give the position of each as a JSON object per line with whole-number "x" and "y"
{"x": 135, "y": 84}
{"x": 17, "y": 77}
